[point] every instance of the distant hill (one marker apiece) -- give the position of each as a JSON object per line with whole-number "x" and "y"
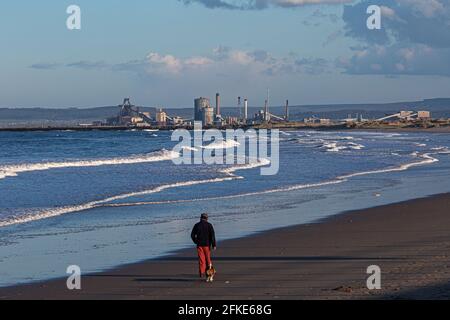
{"x": 440, "y": 108}
{"x": 14, "y": 116}
{"x": 69, "y": 114}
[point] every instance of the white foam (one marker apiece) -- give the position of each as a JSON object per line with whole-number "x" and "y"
{"x": 225, "y": 144}
{"x": 333, "y": 147}
{"x": 230, "y": 175}
{"x": 14, "y": 170}
{"x": 441, "y": 150}
{"x": 253, "y": 163}
{"x": 355, "y": 146}
{"x": 428, "y": 159}
{"x": 241, "y": 195}
{"x": 55, "y": 212}
{"x": 189, "y": 148}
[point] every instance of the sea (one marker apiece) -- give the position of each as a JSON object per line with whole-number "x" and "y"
{"x": 101, "y": 199}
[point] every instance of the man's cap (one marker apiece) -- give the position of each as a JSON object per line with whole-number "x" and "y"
{"x": 204, "y": 216}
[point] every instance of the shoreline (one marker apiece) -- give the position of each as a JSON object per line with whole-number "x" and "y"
{"x": 443, "y": 129}
{"x": 308, "y": 255}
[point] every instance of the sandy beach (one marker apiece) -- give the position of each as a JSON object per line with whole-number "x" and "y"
{"x": 409, "y": 241}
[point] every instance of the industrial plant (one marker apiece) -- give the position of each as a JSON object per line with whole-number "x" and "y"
{"x": 213, "y": 116}
{"x": 131, "y": 116}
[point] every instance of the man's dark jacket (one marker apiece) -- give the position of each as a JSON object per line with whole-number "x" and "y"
{"x": 203, "y": 234}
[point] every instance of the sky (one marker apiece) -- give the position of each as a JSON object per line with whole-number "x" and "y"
{"x": 167, "y": 52}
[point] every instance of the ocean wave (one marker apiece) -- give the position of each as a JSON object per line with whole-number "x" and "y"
{"x": 333, "y": 147}
{"x": 241, "y": 195}
{"x": 441, "y": 150}
{"x": 336, "y": 147}
{"x": 230, "y": 174}
{"x": 55, "y": 212}
{"x": 189, "y": 149}
{"x": 355, "y": 146}
{"x": 16, "y": 169}
{"x": 330, "y": 143}
{"x": 427, "y": 159}
{"x": 225, "y": 144}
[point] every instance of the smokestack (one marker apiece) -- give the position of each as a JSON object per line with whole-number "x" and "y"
{"x": 218, "y": 104}
{"x": 266, "y": 111}
{"x": 286, "y": 115}
{"x": 239, "y": 107}
{"x": 245, "y": 109}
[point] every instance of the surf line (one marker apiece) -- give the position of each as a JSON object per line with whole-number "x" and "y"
{"x": 15, "y": 169}
{"x": 428, "y": 159}
{"x": 230, "y": 175}
{"x": 55, "y": 212}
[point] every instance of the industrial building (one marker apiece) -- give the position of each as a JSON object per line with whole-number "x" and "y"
{"x": 131, "y": 116}
{"x": 203, "y": 111}
{"x": 407, "y": 116}
{"x": 317, "y": 121}
{"x": 161, "y": 117}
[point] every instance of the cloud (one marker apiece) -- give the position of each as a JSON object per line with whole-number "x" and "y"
{"x": 222, "y": 61}
{"x": 415, "y": 21}
{"x": 165, "y": 63}
{"x": 398, "y": 60}
{"x": 45, "y": 66}
{"x": 333, "y": 37}
{"x": 87, "y": 65}
{"x": 318, "y": 15}
{"x": 225, "y": 60}
{"x": 414, "y": 39}
{"x": 259, "y": 4}
{"x": 426, "y": 8}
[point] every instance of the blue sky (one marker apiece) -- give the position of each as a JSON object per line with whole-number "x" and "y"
{"x": 166, "y": 52}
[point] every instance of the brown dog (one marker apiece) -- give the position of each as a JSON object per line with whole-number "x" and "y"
{"x": 210, "y": 273}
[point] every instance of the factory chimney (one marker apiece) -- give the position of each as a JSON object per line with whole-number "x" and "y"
{"x": 266, "y": 111}
{"x": 286, "y": 114}
{"x": 245, "y": 109}
{"x": 239, "y": 107}
{"x": 218, "y": 104}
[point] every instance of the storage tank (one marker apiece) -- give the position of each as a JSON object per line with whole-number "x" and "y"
{"x": 200, "y": 104}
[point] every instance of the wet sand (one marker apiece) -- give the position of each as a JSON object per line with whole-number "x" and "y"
{"x": 409, "y": 241}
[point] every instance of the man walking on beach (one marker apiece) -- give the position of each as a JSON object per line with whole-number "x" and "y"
{"x": 204, "y": 237}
